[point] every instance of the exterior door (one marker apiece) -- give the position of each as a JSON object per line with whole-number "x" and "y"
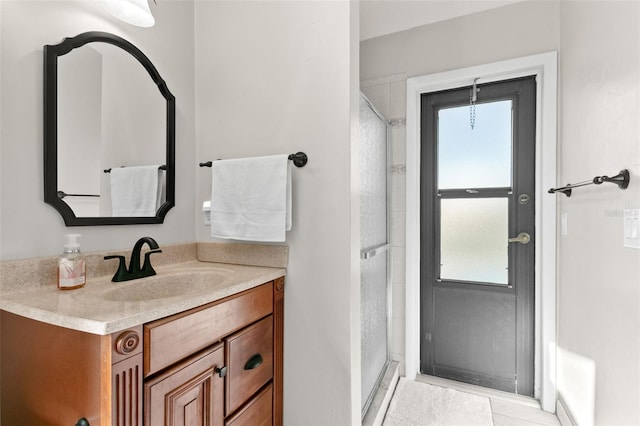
{"x": 478, "y": 236}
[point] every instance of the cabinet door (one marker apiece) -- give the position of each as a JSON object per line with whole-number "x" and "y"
{"x": 192, "y": 393}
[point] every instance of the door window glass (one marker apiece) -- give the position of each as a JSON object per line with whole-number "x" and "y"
{"x": 473, "y": 240}
{"x": 478, "y": 157}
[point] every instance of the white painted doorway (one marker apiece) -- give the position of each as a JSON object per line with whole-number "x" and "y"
{"x": 544, "y": 67}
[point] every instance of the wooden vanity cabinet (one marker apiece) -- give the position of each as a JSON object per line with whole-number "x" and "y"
{"x": 218, "y": 364}
{"x": 55, "y": 376}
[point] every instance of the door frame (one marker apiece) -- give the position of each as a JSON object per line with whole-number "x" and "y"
{"x": 544, "y": 67}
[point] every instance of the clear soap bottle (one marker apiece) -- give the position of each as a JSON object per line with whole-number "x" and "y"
{"x": 71, "y": 265}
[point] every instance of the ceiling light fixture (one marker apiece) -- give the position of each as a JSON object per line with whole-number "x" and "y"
{"x": 134, "y": 12}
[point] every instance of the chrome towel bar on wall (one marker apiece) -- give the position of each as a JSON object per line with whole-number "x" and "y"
{"x": 621, "y": 179}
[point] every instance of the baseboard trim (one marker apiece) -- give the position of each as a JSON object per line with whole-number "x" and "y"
{"x": 564, "y": 414}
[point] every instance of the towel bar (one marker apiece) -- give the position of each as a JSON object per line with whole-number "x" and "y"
{"x": 299, "y": 160}
{"x": 621, "y": 179}
{"x": 163, "y": 167}
{"x": 62, "y": 194}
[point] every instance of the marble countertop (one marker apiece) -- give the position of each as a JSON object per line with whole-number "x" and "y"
{"x": 104, "y": 307}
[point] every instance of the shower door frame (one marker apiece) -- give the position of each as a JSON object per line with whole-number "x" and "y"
{"x": 386, "y": 252}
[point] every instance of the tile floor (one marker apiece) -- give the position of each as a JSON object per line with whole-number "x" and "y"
{"x": 508, "y": 409}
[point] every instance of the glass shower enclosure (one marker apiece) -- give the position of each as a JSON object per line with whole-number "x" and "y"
{"x": 374, "y": 249}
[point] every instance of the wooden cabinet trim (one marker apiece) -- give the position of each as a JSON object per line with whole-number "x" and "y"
{"x": 126, "y": 392}
{"x": 278, "y": 352}
{"x": 126, "y": 343}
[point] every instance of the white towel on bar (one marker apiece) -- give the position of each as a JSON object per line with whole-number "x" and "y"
{"x": 136, "y": 191}
{"x": 251, "y": 198}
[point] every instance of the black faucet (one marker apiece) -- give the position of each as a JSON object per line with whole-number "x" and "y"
{"x": 135, "y": 271}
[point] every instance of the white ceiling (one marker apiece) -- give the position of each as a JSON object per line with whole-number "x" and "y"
{"x": 381, "y": 17}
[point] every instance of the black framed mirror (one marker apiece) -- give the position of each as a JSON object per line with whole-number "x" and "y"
{"x": 104, "y": 112}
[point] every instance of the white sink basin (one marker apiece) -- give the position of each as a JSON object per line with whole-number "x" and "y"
{"x": 177, "y": 283}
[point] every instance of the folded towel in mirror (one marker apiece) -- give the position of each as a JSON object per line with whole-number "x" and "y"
{"x": 136, "y": 191}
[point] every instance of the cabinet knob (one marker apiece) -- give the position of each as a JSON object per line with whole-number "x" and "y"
{"x": 82, "y": 422}
{"x": 127, "y": 342}
{"x": 222, "y": 371}
{"x": 253, "y": 362}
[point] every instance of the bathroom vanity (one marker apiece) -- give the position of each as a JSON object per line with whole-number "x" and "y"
{"x": 234, "y": 375}
{"x": 150, "y": 351}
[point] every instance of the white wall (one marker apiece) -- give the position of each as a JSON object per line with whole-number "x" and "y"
{"x": 133, "y": 118}
{"x": 599, "y": 56}
{"x": 133, "y": 113}
{"x": 520, "y": 29}
{"x": 277, "y": 78}
{"x": 379, "y": 18}
{"x": 28, "y": 226}
{"x": 599, "y": 279}
{"x": 79, "y": 126}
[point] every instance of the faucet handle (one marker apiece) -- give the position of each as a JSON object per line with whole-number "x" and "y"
{"x": 121, "y": 273}
{"x": 147, "y": 269}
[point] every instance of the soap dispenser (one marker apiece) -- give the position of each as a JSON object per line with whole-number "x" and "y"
{"x": 71, "y": 265}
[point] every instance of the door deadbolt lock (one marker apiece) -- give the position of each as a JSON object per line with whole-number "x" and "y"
{"x": 522, "y": 238}
{"x": 523, "y": 199}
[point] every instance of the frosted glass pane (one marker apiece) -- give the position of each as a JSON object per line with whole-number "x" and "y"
{"x": 373, "y": 320}
{"x": 373, "y": 233}
{"x": 473, "y": 240}
{"x": 373, "y": 178}
{"x": 478, "y": 157}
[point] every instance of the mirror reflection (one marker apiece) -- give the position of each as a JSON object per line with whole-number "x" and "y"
{"x": 109, "y": 140}
{"x": 110, "y": 114}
